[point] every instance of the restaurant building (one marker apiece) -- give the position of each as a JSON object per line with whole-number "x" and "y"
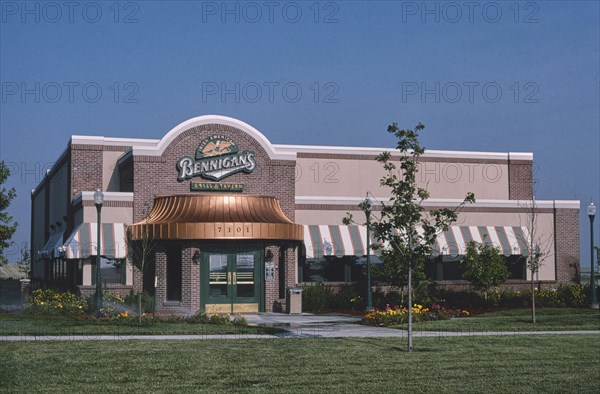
{"x": 232, "y": 221}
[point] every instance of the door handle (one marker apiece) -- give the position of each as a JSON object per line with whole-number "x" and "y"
{"x": 229, "y": 278}
{"x": 234, "y": 278}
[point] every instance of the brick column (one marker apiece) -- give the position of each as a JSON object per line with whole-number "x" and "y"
{"x": 566, "y": 230}
{"x": 272, "y": 301}
{"x": 520, "y": 178}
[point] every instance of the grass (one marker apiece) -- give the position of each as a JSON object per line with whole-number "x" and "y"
{"x": 19, "y": 324}
{"x": 547, "y": 319}
{"x": 549, "y": 363}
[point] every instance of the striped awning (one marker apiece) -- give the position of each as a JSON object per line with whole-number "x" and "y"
{"x": 335, "y": 240}
{"x": 510, "y": 240}
{"x": 52, "y": 247}
{"x": 339, "y": 240}
{"x": 83, "y": 241}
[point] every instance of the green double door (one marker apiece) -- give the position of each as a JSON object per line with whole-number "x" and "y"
{"x": 231, "y": 278}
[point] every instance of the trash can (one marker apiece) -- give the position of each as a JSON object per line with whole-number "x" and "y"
{"x": 294, "y": 301}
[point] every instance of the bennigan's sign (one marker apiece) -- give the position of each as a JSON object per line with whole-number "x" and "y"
{"x": 216, "y": 158}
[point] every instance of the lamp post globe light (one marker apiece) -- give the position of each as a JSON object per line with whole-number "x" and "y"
{"x": 98, "y": 201}
{"x": 591, "y": 214}
{"x": 367, "y": 205}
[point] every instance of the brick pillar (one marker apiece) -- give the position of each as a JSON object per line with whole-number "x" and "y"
{"x": 520, "y": 178}
{"x": 291, "y": 265}
{"x": 566, "y": 230}
{"x": 190, "y": 280}
{"x": 160, "y": 260}
{"x": 25, "y": 291}
{"x": 272, "y": 301}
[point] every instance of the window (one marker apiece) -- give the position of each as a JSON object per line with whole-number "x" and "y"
{"x": 334, "y": 269}
{"x": 174, "y": 273}
{"x": 111, "y": 271}
{"x": 517, "y": 267}
{"x": 448, "y": 268}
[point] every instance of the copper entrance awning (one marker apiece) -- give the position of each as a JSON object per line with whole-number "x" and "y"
{"x": 217, "y": 217}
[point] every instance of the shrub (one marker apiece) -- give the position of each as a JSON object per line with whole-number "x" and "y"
{"x": 147, "y": 301}
{"x": 219, "y": 319}
{"x": 347, "y": 298}
{"x": 399, "y": 315}
{"x": 53, "y": 302}
{"x": 316, "y": 298}
{"x": 239, "y": 320}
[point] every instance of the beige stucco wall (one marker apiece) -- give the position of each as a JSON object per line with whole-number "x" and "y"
{"x": 109, "y": 215}
{"x": 544, "y": 228}
{"x": 352, "y": 178}
{"x": 110, "y": 171}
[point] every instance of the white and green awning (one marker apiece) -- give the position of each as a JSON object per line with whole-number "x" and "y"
{"x": 339, "y": 240}
{"x": 52, "y": 247}
{"x": 510, "y": 240}
{"x": 83, "y": 241}
{"x": 335, "y": 240}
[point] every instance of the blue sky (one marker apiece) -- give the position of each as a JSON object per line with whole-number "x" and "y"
{"x": 490, "y": 76}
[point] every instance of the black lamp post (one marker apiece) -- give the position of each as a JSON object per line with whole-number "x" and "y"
{"x": 592, "y": 213}
{"x": 367, "y": 206}
{"x": 98, "y": 201}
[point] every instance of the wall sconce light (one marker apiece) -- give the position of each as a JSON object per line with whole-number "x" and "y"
{"x": 196, "y": 257}
{"x": 269, "y": 255}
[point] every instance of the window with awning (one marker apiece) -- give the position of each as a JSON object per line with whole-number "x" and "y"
{"x": 52, "y": 247}
{"x": 83, "y": 242}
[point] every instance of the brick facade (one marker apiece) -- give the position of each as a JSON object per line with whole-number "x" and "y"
{"x": 520, "y": 178}
{"x": 153, "y": 176}
{"x": 149, "y": 176}
{"x": 566, "y": 233}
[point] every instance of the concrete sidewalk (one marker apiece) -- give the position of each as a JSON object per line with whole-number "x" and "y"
{"x": 305, "y": 325}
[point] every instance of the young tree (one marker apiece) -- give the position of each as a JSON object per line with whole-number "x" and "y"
{"x": 396, "y": 227}
{"x": 141, "y": 257}
{"x": 7, "y": 224}
{"x": 484, "y": 267}
{"x": 539, "y": 246}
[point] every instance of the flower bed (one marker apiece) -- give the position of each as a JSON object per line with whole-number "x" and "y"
{"x": 399, "y": 315}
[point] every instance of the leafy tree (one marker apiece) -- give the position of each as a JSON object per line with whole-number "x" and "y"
{"x": 484, "y": 267}
{"x": 140, "y": 256}
{"x": 406, "y": 248}
{"x": 7, "y": 224}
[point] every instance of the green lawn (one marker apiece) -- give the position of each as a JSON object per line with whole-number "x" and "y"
{"x": 18, "y": 324}
{"x": 548, "y": 319}
{"x": 549, "y": 363}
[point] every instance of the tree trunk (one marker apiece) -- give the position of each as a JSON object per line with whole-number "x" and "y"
{"x": 140, "y": 312}
{"x": 532, "y": 298}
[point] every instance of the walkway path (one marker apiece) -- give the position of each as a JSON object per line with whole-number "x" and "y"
{"x": 299, "y": 326}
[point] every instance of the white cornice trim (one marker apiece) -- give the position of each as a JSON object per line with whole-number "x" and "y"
{"x": 112, "y": 141}
{"x": 428, "y": 153}
{"x": 108, "y": 196}
{"x": 450, "y": 202}
{"x": 212, "y": 119}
